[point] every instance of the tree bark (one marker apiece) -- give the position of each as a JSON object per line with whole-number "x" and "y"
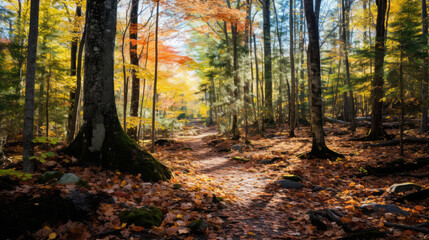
{"x": 376, "y": 131}
{"x": 269, "y": 115}
{"x": 257, "y": 82}
{"x": 345, "y": 26}
{"x": 401, "y": 91}
{"x": 135, "y": 85}
{"x": 235, "y": 131}
{"x": 152, "y": 147}
{"x": 71, "y": 127}
{"x": 292, "y": 107}
{"x": 101, "y": 140}
{"x": 425, "y": 80}
{"x": 28, "y": 146}
{"x": 78, "y": 86}
{"x": 319, "y": 148}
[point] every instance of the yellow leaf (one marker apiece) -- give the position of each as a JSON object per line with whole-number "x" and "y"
{"x": 251, "y": 233}
{"x": 179, "y": 216}
{"x": 52, "y": 235}
{"x": 352, "y": 184}
{"x": 123, "y": 183}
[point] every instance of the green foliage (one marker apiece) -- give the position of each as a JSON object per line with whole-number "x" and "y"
{"x": 42, "y": 156}
{"x": 47, "y": 140}
{"x": 18, "y": 174}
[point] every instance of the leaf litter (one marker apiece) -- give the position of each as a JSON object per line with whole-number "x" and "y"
{"x": 241, "y": 200}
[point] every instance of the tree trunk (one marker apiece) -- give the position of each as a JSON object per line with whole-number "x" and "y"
{"x": 71, "y": 123}
{"x": 152, "y": 146}
{"x": 292, "y": 108}
{"x": 235, "y": 108}
{"x": 135, "y": 87}
{"x": 345, "y": 26}
{"x": 282, "y": 68}
{"x": 47, "y": 96}
{"x": 269, "y": 115}
{"x": 425, "y": 80}
{"x": 401, "y": 90}
{"x": 78, "y": 87}
{"x": 101, "y": 140}
{"x": 257, "y": 81}
{"x": 319, "y": 148}
{"x": 28, "y": 146}
{"x": 377, "y": 131}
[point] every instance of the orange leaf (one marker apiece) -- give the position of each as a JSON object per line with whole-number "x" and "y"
{"x": 419, "y": 208}
{"x": 136, "y": 228}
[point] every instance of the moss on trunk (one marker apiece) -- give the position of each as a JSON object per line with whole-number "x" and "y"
{"x": 119, "y": 152}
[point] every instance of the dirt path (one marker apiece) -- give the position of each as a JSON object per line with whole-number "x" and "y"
{"x": 254, "y": 214}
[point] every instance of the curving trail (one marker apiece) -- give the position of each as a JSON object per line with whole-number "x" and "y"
{"x": 254, "y": 214}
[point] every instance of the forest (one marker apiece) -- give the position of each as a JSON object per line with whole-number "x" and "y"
{"x": 214, "y": 119}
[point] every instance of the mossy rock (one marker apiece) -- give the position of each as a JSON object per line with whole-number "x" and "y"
{"x": 198, "y": 226}
{"x": 292, "y": 177}
{"x": 69, "y": 178}
{"x": 144, "y": 217}
{"x": 50, "y": 177}
{"x": 241, "y": 159}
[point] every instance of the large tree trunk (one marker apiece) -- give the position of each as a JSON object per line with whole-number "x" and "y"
{"x": 28, "y": 147}
{"x": 135, "y": 85}
{"x": 101, "y": 140}
{"x": 269, "y": 115}
{"x": 319, "y": 148}
{"x": 425, "y": 80}
{"x": 377, "y": 131}
{"x": 71, "y": 123}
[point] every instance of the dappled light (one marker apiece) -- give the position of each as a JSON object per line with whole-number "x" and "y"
{"x": 214, "y": 119}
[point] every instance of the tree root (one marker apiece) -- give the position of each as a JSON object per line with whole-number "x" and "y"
{"x": 416, "y": 228}
{"x": 397, "y": 142}
{"x": 392, "y": 168}
{"x": 321, "y": 154}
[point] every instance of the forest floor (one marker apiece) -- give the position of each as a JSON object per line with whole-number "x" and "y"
{"x": 225, "y": 189}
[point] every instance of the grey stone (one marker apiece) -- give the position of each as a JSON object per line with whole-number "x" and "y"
{"x": 383, "y": 207}
{"x": 237, "y": 147}
{"x": 289, "y": 184}
{"x": 69, "y": 178}
{"x": 403, "y": 187}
